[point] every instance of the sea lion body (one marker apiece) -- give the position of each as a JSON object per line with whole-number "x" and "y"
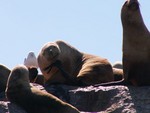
{"x": 4, "y": 73}
{"x": 136, "y": 45}
{"x": 83, "y": 68}
{"x": 117, "y": 65}
{"x": 118, "y": 71}
{"x": 32, "y": 100}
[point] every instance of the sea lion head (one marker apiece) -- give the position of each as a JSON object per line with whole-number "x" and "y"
{"x": 18, "y": 78}
{"x": 50, "y": 51}
{"x": 33, "y": 73}
{"x": 131, "y": 12}
{"x": 47, "y": 56}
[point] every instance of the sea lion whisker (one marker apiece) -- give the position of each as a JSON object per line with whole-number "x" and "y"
{"x": 49, "y": 68}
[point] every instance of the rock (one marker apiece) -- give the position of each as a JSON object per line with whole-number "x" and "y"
{"x": 31, "y": 60}
{"x": 114, "y": 99}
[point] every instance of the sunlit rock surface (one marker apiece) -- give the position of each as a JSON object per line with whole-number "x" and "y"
{"x": 114, "y": 99}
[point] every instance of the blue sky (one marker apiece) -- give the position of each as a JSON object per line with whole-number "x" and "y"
{"x": 92, "y": 26}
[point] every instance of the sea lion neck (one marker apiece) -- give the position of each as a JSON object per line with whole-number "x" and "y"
{"x": 132, "y": 21}
{"x": 130, "y": 13}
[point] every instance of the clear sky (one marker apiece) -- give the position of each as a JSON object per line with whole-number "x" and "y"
{"x": 92, "y": 26}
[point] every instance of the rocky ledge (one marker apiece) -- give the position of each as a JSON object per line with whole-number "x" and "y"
{"x": 114, "y": 99}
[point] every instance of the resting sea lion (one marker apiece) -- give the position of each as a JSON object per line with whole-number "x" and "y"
{"x": 4, "y": 73}
{"x": 61, "y": 63}
{"x": 33, "y": 73}
{"x": 118, "y": 65}
{"x": 34, "y": 76}
{"x": 31, "y": 99}
{"x": 118, "y": 70}
{"x": 31, "y": 63}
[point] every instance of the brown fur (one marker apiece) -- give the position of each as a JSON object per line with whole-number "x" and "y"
{"x": 31, "y": 99}
{"x": 33, "y": 73}
{"x": 34, "y": 76}
{"x": 83, "y": 68}
{"x": 118, "y": 74}
{"x": 118, "y": 71}
{"x": 136, "y": 45}
{"x": 4, "y": 73}
{"x": 118, "y": 65}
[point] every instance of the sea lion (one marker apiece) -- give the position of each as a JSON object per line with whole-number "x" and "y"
{"x": 136, "y": 45}
{"x": 34, "y": 76}
{"x": 62, "y": 63}
{"x": 31, "y": 63}
{"x": 118, "y": 71}
{"x": 4, "y": 73}
{"x": 117, "y": 65}
{"x": 31, "y": 99}
{"x": 118, "y": 74}
{"x": 33, "y": 73}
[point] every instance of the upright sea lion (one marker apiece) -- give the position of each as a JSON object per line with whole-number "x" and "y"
{"x": 33, "y": 100}
{"x": 4, "y": 73}
{"x": 136, "y": 47}
{"x": 61, "y": 63}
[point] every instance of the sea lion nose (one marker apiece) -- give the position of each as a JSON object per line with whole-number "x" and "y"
{"x": 132, "y": 1}
{"x": 51, "y": 51}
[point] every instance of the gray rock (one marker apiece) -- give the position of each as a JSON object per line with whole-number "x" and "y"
{"x": 114, "y": 99}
